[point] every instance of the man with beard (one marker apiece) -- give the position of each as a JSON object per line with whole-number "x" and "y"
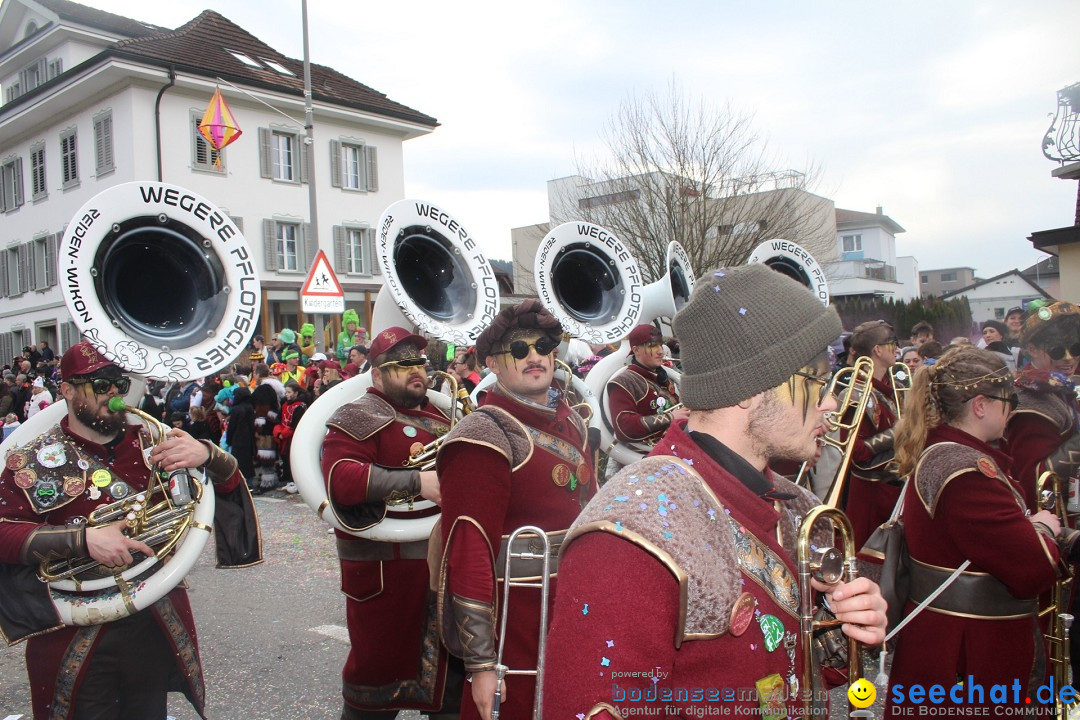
{"x": 640, "y": 396}
{"x": 49, "y": 486}
{"x": 678, "y": 583}
{"x": 521, "y": 459}
{"x": 395, "y": 660}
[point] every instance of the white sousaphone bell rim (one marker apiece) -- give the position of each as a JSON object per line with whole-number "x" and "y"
{"x": 616, "y": 252}
{"x": 118, "y": 203}
{"x": 74, "y": 609}
{"x": 310, "y": 482}
{"x": 406, "y": 213}
{"x": 780, "y": 248}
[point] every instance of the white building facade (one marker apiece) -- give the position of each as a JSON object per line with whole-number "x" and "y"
{"x": 92, "y": 100}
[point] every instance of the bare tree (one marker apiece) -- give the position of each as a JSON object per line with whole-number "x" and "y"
{"x": 678, "y": 169}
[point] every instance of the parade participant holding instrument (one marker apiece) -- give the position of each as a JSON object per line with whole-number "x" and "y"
{"x": 395, "y": 660}
{"x": 521, "y": 459}
{"x": 640, "y": 395}
{"x": 681, "y": 572}
{"x": 48, "y": 488}
{"x": 1043, "y": 433}
{"x": 874, "y": 487}
{"x": 962, "y": 505}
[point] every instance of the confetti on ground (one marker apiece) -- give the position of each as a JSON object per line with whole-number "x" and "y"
{"x": 585, "y": 610}
{"x": 611, "y": 643}
{"x": 605, "y": 662}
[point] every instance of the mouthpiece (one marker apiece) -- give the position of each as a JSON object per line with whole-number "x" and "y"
{"x": 117, "y": 404}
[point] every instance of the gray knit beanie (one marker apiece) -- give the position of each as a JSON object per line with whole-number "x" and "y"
{"x": 745, "y": 330}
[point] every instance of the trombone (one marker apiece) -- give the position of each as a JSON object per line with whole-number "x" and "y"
{"x": 827, "y": 565}
{"x": 852, "y": 387}
{"x": 1059, "y": 622}
{"x": 501, "y": 670}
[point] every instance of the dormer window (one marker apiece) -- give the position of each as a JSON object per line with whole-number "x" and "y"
{"x": 244, "y": 59}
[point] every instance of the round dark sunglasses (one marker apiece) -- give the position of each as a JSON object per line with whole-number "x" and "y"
{"x": 406, "y": 363}
{"x": 100, "y": 386}
{"x": 519, "y": 349}
{"x": 1058, "y": 352}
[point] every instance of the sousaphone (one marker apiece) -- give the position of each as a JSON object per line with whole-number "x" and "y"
{"x": 162, "y": 283}
{"x": 437, "y": 281}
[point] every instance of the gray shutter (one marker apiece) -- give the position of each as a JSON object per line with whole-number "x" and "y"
{"x": 3, "y": 273}
{"x": 266, "y": 164}
{"x": 310, "y": 246}
{"x": 24, "y": 267}
{"x": 341, "y": 252}
{"x": 335, "y": 164}
{"x": 103, "y": 144}
{"x": 53, "y": 264}
{"x": 31, "y": 265}
{"x": 372, "y": 169}
{"x": 303, "y": 156}
{"x": 270, "y": 245}
{"x": 370, "y": 243}
{"x": 19, "y": 196}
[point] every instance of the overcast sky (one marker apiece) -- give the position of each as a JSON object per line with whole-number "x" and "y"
{"x": 933, "y": 110}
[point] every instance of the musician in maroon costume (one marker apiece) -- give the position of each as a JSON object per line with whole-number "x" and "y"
{"x": 521, "y": 459}
{"x": 1043, "y": 433}
{"x": 678, "y": 581}
{"x": 49, "y": 486}
{"x": 961, "y": 504}
{"x": 395, "y": 660}
{"x": 872, "y": 487}
{"x": 640, "y": 395}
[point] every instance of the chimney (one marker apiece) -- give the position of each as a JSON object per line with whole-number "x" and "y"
{"x": 879, "y": 210}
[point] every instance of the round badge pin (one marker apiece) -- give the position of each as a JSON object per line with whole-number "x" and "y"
{"x": 101, "y": 478}
{"x": 661, "y": 403}
{"x": 409, "y": 431}
{"x": 25, "y": 478}
{"x": 1045, "y": 313}
{"x": 986, "y": 467}
{"x": 52, "y": 455}
{"x": 560, "y": 475}
{"x": 73, "y": 486}
{"x": 83, "y": 464}
{"x": 416, "y": 448}
{"x": 16, "y": 461}
{"x": 119, "y": 490}
{"x": 742, "y": 614}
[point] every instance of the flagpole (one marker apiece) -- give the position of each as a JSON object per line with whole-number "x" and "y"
{"x": 309, "y": 152}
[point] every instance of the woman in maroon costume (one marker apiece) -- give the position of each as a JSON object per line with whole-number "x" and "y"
{"x": 961, "y": 504}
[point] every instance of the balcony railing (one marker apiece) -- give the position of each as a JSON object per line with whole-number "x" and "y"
{"x": 1062, "y": 140}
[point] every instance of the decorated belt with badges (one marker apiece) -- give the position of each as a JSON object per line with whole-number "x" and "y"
{"x": 53, "y": 471}
{"x": 572, "y": 470}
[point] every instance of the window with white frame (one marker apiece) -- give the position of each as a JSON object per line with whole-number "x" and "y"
{"x": 203, "y": 155}
{"x": 11, "y": 184}
{"x": 56, "y": 67}
{"x": 37, "y": 172}
{"x": 13, "y": 286}
{"x": 69, "y": 158}
{"x": 948, "y": 277}
{"x": 281, "y": 155}
{"x": 354, "y": 165}
{"x": 44, "y": 260}
{"x": 103, "y": 143}
{"x": 289, "y": 244}
{"x": 33, "y": 75}
{"x": 354, "y": 250}
{"x": 852, "y": 243}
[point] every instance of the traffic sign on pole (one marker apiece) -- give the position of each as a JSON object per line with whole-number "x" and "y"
{"x": 322, "y": 292}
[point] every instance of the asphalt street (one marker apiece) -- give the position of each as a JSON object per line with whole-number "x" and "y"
{"x": 272, "y": 637}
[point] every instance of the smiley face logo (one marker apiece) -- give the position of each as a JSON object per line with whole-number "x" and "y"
{"x": 862, "y": 693}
